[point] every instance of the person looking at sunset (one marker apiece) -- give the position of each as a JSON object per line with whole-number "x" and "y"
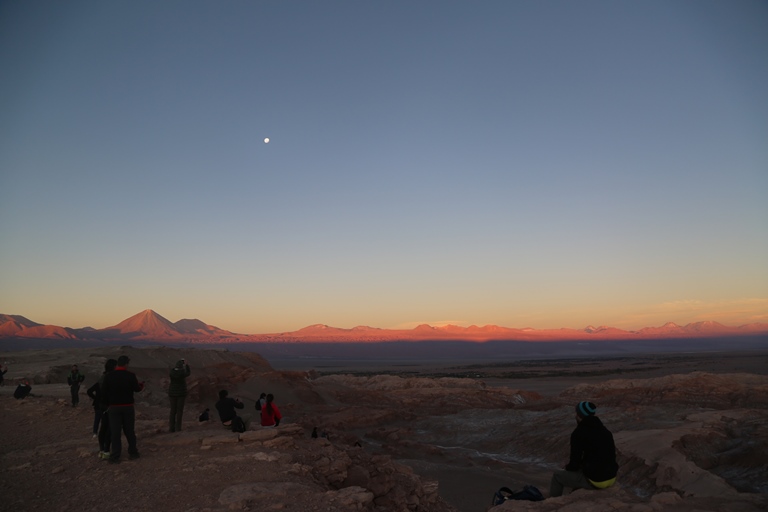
{"x": 226, "y": 407}
{"x": 270, "y": 414}
{"x": 119, "y": 387}
{"x": 592, "y": 464}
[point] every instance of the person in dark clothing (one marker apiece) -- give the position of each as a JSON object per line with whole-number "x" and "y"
{"x": 592, "y": 464}
{"x": 100, "y": 418}
{"x": 226, "y": 407}
{"x": 23, "y": 390}
{"x": 74, "y": 379}
{"x": 2, "y": 374}
{"x": 119, "y": 387}
{"x": 177, "y": 393}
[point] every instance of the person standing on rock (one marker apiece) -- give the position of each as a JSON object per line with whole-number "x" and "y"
{"x": 119, "y": 387}
{"x": 177, "y": 393}
{"x": 270, "y": 414}
{"x": 592, "y": 464}
{"x": 74, "y": 379}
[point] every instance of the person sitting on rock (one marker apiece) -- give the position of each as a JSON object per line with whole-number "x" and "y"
{"x": 226, "y": 407}
{"x": 270, "y": 414}
{"x": 592, "y": 464}
{"x": 23, "y": 390}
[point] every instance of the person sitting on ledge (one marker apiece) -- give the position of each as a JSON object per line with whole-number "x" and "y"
{"x": 23, "y": 390}
{"x": 226, "y": 407}
{"x": 592, "y": 464}
{"x": 270, "y": 414}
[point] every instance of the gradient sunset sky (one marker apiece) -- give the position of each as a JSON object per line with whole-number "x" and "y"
{"x": 520, "y": 163}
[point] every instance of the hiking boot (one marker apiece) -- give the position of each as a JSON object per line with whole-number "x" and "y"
{"x": 134, "y": 455}
{"x": 104, "y": 455}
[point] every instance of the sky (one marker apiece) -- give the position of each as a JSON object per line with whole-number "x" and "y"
{"x": 526, "y": 164}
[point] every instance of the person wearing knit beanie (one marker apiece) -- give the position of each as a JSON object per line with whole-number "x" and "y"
{"x": 592, "y": 463}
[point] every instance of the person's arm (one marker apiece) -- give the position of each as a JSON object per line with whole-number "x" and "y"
{"x": 577, "y": 452}
{"x": 91, "y": 391}
{"x": 238, "y": 404}
{"x": 186, "y": 374}
{"x": 278, "y": 416}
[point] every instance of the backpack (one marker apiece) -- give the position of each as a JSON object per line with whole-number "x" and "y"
{"x": 529, "y": 493}
{"x": 258, "y": 404}
{"x": 237, "y": 424}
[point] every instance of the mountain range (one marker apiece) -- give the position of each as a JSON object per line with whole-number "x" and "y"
{"x": 150, "y": 326}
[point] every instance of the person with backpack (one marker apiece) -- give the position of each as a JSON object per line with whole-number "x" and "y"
{"x": 177, "y": 393}
{"x": 270, "y": 414}
{"x": 74, "y": 379}
{"x": 592, "y": 464}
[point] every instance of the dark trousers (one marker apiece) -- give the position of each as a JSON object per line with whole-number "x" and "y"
{"x": 74, "y": 391}
{"x": 97, "y": 414}
{"x": 122, "y": 419}
{"x": 177, "y": 411}
{"x": 105, "y": 434}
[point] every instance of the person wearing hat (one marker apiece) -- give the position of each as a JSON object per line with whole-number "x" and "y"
{"x": 592, "y": 464}
{"x": 177, "y": 393}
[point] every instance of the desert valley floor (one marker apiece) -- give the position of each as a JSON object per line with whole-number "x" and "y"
{"x": 691, "y": 430}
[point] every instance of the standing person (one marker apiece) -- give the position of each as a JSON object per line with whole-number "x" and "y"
{"x": 119, "y": 387}
{"x": 592, "y": 464}
{"x": 74, "y": 379}
{"x": 177, "y": 393}
{"x": 2, "y": 374}
{"x": 100, "y": 419}
{"x": 226, "y": 407}
{"x": 270, "y": 414}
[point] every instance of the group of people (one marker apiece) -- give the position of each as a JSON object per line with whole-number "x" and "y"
{"x": 226, "y": 407}
{"x": 591, "y": 465}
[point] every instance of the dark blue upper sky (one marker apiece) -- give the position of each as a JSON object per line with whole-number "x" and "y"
{"x": 520, "y": 163}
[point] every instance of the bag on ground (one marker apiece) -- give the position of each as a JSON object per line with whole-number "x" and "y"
{"x": 529, "y": 493}
{"x": 238, "y": 425}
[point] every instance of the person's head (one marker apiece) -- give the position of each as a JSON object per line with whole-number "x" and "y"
{"x": 270, "y": 398}
{"x": 74, "y": 367}
{"x": 123, "y": 361}
{"x": 110, "y": 365}
{"x": 223, "y": 394}
{"x": 263, "y": 395}
{"x": 180, "y": 363}
{"x": 584, "y": 410}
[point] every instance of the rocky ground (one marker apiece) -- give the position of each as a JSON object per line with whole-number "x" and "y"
{"x": 696, "y": 440}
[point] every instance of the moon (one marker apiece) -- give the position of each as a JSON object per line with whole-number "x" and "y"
{"x": 266, "y": 141}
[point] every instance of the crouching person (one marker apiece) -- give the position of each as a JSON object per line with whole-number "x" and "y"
{"x": 592, "y": 463}
{"x": 226, "y": 407}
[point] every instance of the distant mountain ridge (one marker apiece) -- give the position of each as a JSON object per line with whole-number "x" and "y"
{"x": 150, "y": 326}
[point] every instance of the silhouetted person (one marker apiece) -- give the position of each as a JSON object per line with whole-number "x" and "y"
{"x": 592, "y": 464}
{"x": 2, "y": 374}
{"x": 23, "y": 390}
{"x": 74, "y": 379}
{"x": 270, "y": 414}
{"x": 261, "y": 402}
{"x": 101, "y": 419}
{"x": 119, "y": 387}
{"x": 177, "y": 393}
{"x": 226, "y": 407}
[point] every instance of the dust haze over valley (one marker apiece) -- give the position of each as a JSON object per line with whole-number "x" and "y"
{"x": 406, "y": 431}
